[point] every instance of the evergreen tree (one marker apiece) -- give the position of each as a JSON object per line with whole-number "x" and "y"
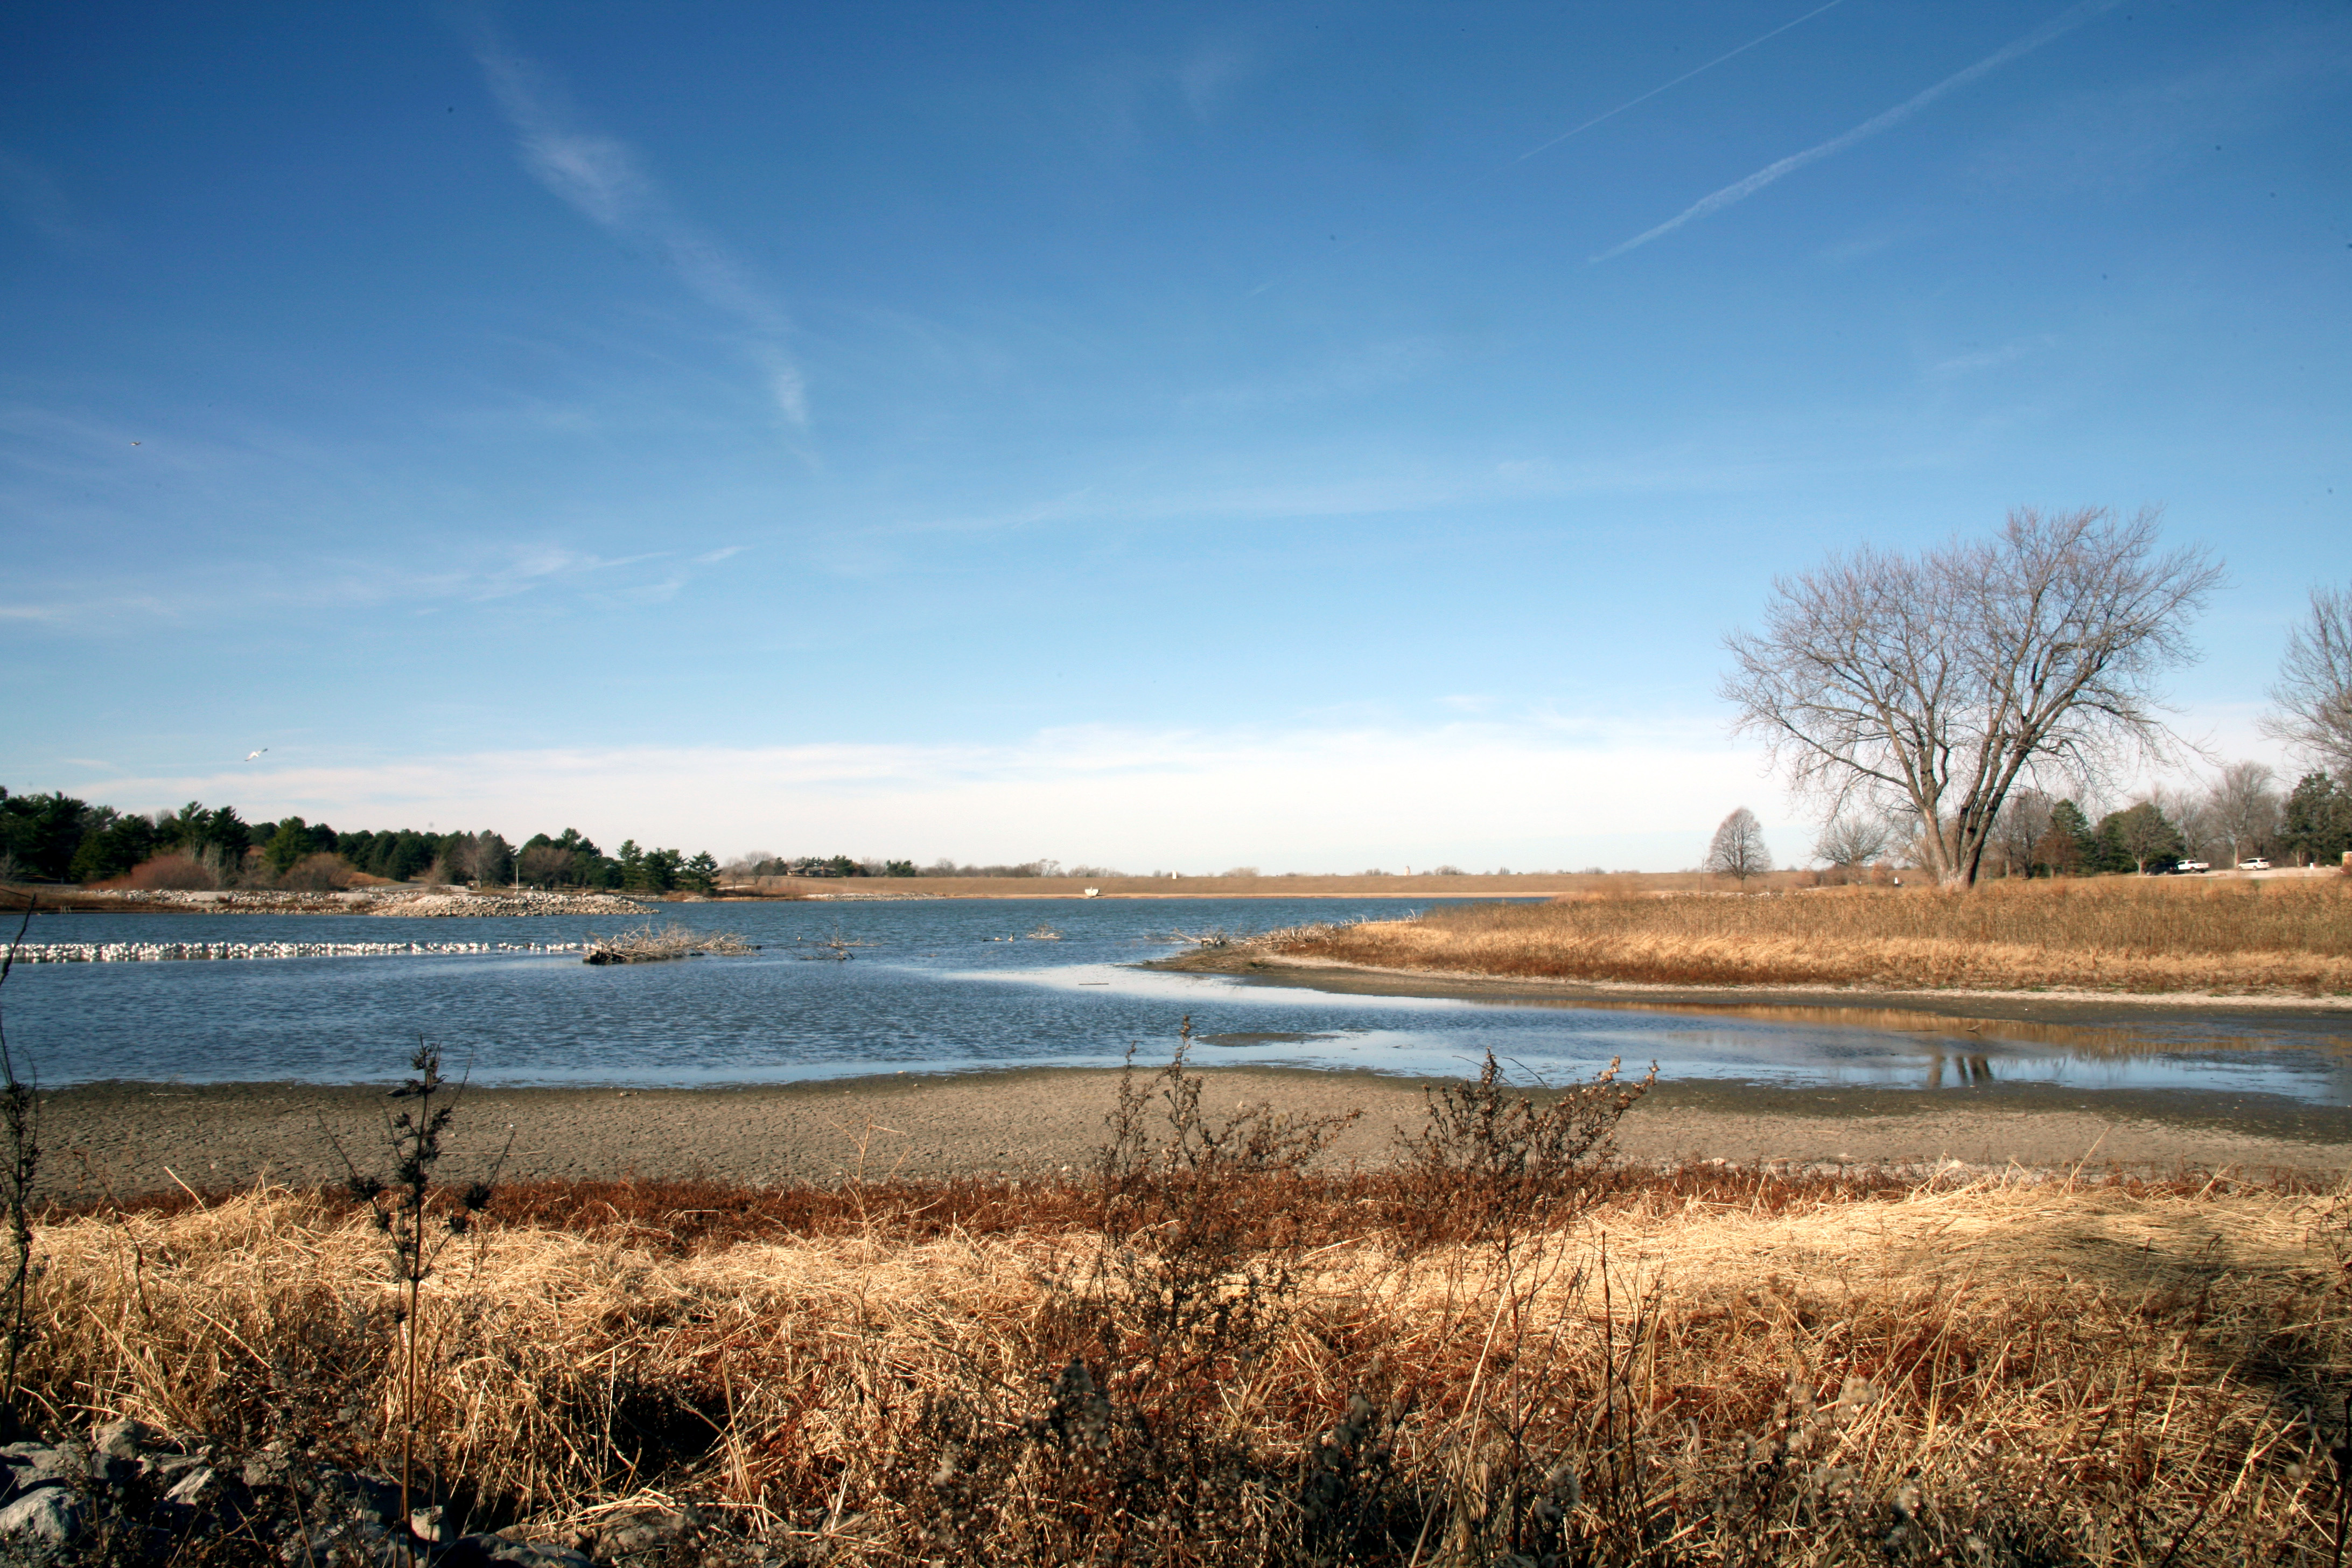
{"x": 288, "y": 842}
{"x": 123, "y": 844}
{"x": 41, "y": 833}
{"x": 2065, "y": 850}
{"x": 2138, "y": 839}
{"x": 2317, "y": 827}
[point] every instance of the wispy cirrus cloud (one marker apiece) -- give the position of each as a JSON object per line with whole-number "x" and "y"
{"x": 1992, "y": 358}
{"x": 606, "y": 181}
{"x": 1741, "y": 190}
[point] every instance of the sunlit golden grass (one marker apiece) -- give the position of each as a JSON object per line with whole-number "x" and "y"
{"x": 1707, "y": 1368}
{"x": 2139, "y": 934}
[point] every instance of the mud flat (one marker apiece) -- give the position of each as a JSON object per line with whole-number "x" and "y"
{"x": 126, "y": 1139}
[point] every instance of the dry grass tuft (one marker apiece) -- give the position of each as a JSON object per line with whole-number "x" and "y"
{"x": 2135, "y": 934}
{"x": 1710, "y": 1367}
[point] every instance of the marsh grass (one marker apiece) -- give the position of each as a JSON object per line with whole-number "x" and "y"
{"x": 1708, "y": 1367}
{"x": 2134, "y": 934}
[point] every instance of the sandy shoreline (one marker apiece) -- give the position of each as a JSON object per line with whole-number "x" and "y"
{"x": 125, "y": 1139}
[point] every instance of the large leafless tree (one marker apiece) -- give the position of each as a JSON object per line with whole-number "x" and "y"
{"x": 1853, "y": 839}
{"x": 1932, "y": 684}
{"x": 2314, "y": 688}
{"x": 2019, "y": 828}
{"x": 2245, "y": 806}
{"x": 1738, "y": 848}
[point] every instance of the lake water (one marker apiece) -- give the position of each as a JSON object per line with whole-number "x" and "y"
{"x": 940, "y": 988}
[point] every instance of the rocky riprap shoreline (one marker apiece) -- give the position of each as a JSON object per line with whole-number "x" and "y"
{"x": 404, "y": 903}
{"x": 134, "y": 1495}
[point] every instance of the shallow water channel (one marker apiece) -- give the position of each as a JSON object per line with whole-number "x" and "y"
{"x": 958, "y": 985}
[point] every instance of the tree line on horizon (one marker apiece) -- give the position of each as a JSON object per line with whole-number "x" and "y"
{"x": 2241, "y": 816}
{"x": 55, "y": 837}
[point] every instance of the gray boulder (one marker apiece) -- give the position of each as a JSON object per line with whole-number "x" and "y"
{"x": 34, "y": 1465}
{"x": 124, "y": 1438}
{"x": 46, "y": 1517}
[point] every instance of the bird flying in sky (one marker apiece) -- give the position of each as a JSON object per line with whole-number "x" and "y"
{"x": 250, "y": 756}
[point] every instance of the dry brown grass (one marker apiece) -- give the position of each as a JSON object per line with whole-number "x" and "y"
{"x": 1706, "y": 1368}
{"x": 2138, "y": 934}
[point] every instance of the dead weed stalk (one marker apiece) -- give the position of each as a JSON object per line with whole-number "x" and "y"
{"x": 402, "y": 1210}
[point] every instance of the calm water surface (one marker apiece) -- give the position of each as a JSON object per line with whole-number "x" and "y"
{"x": 940, "y": 988}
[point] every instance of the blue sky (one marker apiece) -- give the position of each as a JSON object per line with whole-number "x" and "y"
{"x": 1311, "y": 436}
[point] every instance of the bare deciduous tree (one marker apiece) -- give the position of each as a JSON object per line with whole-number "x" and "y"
{"x": 2191, "y": 812}
{"x": 543, "y": 865}
{"x": 2244, "y": 806}
{"x": 1853, "y": 839}
{"x": 1931, "y": 685}
{"x": 1738, "y": 848}
{"x": 2315, "y": 685}
{"x": 487, "y": 857}
{"x": 746, "y": 866}
{"x": 2023, "y": 823}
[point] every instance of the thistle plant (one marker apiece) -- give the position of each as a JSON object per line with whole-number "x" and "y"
{"x": 403, "y": 1210}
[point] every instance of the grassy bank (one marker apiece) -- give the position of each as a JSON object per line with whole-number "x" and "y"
{"x": 1708, "y": 1367}
{"x": 2136, "y": 934}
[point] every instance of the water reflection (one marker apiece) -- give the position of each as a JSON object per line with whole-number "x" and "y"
{"x": 2075, "y": 1039}
{"x": 1970, "y": 1072}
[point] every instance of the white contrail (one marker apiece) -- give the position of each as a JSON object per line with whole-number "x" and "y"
{"x": 1575, "y": 131}
{"x": 603, "y": 179}
{"x": 2065, "y": 22}
{"x": 1695, "y": 70}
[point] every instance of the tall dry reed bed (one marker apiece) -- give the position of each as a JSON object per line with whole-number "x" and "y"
{"x": 2139, "y": 934}
{"x": 1705, "y": 1368}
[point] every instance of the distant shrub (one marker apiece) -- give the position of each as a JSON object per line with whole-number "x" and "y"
{"x": 175, "y": 872}
{"x": 317, "y": 874}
